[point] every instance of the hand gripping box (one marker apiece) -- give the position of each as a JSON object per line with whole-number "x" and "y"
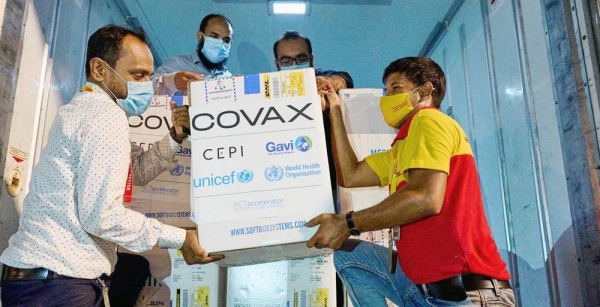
{"x": 259, "y": 165}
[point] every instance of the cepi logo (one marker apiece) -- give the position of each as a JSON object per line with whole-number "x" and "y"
{"x": 243, "y": 176}
{"x": 223, "y": 152}
{"x": 274, "y": 173}
{"x": 302, "y": 143}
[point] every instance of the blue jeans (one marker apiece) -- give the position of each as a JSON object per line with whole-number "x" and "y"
{"x": 58, "y": 292}
{"x": 363, "y": 268}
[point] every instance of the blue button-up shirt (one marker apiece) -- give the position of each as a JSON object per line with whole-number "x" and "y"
{"x": 164, "y": 77}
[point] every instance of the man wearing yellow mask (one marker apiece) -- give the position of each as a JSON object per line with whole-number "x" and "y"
{"x": 446, "y": 252}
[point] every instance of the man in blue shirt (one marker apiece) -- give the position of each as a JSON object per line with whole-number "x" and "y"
{"x": 214, "y": 42}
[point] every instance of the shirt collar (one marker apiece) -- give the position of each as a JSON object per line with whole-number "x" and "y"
{"x": 214, "y": 72}
{"x": 403, "y": 132}
{"x": 196, "y": 58}
{"x": 92, "y": 88}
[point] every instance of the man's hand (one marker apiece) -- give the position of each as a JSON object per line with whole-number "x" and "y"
{"x": 332, "y": 233}
{"x": 329, "y": 98}
{"x": 321, "y": 82}
{"x": 182, "y": 79}
{"x": 337, "y": 82}
{"x": 193, "y": 253}
{"x": 180, "y": 118}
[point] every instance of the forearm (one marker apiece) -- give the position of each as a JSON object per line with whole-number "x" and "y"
{"x": 344, "y": 156}
{"x": 423, "y": 196}
{"x": 401, "y": 208}
{"x": 148, "y": 164}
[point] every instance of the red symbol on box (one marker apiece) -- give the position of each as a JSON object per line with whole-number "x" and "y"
{"x": 17, "y": 159}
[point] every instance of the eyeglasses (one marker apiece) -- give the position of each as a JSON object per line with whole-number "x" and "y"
{"x": 287, "y": 61}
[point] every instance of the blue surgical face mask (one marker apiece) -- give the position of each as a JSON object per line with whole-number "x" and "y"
{"x": 139, "y": 96}
{"x": 295, "y": 66}
{"x": 215, "y": 50}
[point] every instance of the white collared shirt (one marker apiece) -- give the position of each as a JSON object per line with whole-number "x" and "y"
{"x": 73, "y": 216}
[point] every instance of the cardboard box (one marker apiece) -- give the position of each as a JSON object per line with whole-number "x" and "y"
{"x": 306, "y": 282}
{"x": 368, "y": 134}
{"x": 259, "y": 167}
{"x": 174, "y": 283}
{"x": 167, "y": 197}
{"x": 196, "y": 285}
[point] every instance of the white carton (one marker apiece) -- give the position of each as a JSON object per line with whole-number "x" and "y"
{"x": 174, "y": 283}
{"x": 306, "y": 282}
{"x": 259, "y": 167}
{"x": 196, "y": 285}
{"x": 167, "y": 197}
{"x": 368, "y": 134}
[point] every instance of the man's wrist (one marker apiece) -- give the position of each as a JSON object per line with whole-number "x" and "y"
{"x": 351, "y": 227}
{"x": 176, "y": 137}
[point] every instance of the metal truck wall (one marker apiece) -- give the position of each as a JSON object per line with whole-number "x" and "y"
{"x": 500, "y": 89}
{"x": 50, "y": 72}
{"x": 12, "y": 17}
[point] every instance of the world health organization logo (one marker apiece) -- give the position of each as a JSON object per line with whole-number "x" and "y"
{"x": 177, "y": 170}
{"x": 245, "y": 176}
{"x": 274, "y": 173}
{"x": 303, "y": 143}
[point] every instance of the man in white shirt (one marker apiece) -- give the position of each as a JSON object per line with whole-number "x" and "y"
{"x": 73, "y": 216}
{"x": 208, "y": 61}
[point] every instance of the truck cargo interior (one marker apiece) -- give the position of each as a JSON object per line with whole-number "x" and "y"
{"x": 522, "y": 81}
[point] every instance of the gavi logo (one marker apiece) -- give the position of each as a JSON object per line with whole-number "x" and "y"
{"x": 302, "y": 143}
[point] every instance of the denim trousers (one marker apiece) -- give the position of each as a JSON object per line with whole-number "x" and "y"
{"x": 59, "y": 292}
{"x": 363, "y": 269}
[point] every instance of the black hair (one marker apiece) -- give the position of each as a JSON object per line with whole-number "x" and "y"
{"x": 291, "y": 35}
{"x": 419, "y": 70}
{"x": 208, "y": 17}
{"x": 106, "y": 42}
{"x": 331, "y": 73}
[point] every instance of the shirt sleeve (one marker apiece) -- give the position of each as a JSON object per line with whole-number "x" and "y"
{"x": 164, "y": 78}
{"x": 148, "y": 164}
{"x": 100, "y": 181}
{"x": 380, "y": 164}
{"x": 429, "y": 144}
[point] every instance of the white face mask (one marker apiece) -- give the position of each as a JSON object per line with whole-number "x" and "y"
{"x": 215, "y": 49}
{"x": 296, "y": 66}
{"x": 139, "y": 95}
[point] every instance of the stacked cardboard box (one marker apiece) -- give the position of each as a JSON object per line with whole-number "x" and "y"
{"x": 259, "y": 169}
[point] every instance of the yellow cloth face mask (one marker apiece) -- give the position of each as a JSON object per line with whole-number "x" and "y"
{"x": 395, "y": 107}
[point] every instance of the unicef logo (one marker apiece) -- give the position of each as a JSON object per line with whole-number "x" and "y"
{"x": 245, "y": 176}
{"x": 303, "y": 143}
{"x": 177, "y": 170}
{"x": 274, "y": 173}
